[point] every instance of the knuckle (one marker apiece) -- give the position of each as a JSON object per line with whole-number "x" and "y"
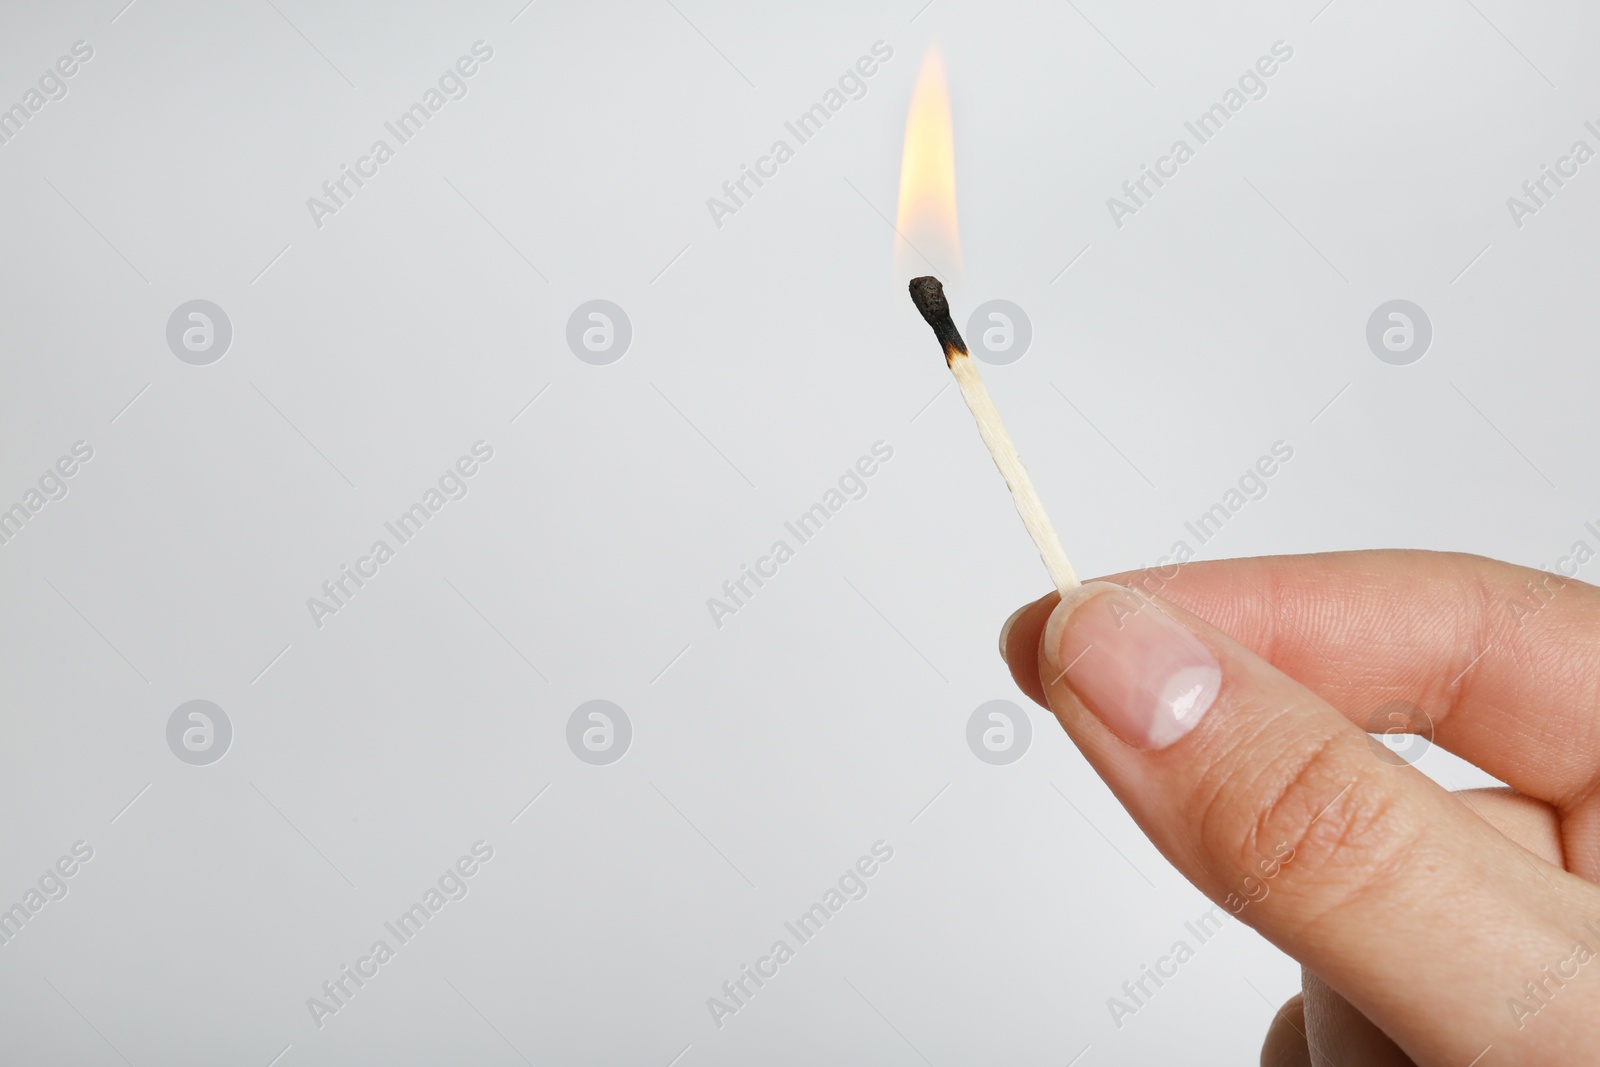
{"x": 1327, "y": 815}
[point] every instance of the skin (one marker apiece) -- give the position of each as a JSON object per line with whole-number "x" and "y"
{"x": 1417, "y": 914}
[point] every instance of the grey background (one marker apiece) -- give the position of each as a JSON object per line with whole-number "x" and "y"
{"x": 767, "y": 356}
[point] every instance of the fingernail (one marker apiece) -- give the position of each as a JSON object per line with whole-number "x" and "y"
{"x": 1134, "y": 667}
{"x": 1005, "y": 629}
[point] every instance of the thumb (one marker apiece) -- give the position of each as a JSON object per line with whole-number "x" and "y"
{"x": 1266, "y": 798}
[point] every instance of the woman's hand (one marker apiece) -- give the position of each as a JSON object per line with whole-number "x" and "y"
{"x": 1436, "y": 928}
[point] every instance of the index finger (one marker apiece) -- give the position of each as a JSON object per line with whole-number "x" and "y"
{"x": 1500, "y": 661}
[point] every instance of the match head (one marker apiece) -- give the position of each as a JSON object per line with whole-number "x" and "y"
{"x": 928, "y": 295}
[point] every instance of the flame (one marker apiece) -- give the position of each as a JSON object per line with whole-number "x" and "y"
{"x": 929, "y": 238}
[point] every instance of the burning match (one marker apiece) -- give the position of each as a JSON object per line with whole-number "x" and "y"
{"x": 928, "y": 294}
{"x": 927, "y": 227}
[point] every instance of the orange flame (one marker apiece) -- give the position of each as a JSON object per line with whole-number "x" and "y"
{"x": 929, "y": 238}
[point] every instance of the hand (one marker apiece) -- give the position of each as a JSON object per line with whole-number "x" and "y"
{"x": 1434, "y": 928}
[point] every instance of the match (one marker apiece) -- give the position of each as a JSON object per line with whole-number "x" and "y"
{"x": 928, "y": 294}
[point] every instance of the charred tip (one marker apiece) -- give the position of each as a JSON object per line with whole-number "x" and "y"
{"x": 928, "y": 294}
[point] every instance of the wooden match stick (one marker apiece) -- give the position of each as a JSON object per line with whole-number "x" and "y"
{"x": 929, "y": 297}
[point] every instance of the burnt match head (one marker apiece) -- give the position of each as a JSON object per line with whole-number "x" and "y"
{"x": 928, "y": 295}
